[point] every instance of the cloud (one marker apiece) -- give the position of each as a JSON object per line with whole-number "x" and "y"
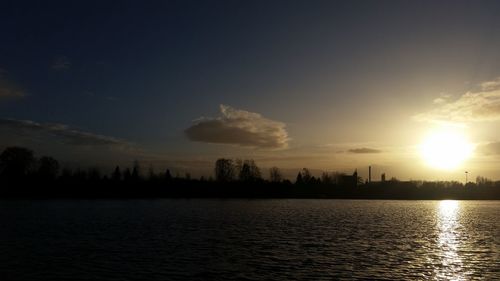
{"x": 491, "y": 85}
{"x": 482, "y": 105}
{"x": 63, "y": 133}
{"x": 491, "y": 148}
{"x": 441, "y": 99}
{"x": 364, "y": 150}
{"x": 7, "y": 89}
{"x": 239, "y": 127}
{"x": 61, "y": 63}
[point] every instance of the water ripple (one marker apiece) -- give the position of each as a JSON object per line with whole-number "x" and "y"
{"x": 249, "y": 240}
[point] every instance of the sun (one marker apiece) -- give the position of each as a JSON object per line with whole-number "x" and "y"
{"x": 445, "y": 149}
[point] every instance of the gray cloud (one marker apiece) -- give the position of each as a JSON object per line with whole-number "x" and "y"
{"x": 61, "y": 63}
{"x": 364, "y": 150}
{"x": 239, "y": 127}
{"x": 9, "y": 90}
{"x": 491, "y": 148}
{"x": 63, "y": 133}
{"x": 481, "y": 105}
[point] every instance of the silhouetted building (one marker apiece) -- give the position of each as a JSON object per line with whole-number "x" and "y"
{"x": 382, "y": 177}
{"x": 349, "y": 181}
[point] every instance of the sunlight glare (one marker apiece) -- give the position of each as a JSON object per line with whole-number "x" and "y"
{"x": 449, "y": 241}
{"x": 445, "y": 149}
{"x": 448, "y": 208}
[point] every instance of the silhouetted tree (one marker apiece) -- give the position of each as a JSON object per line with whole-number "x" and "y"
{"x": 249, "y": 171}
{"x": 80, "y": 175}
{"x": 66, "y": 174}
{"x": 306, "y": 175}
{"x": 238, "y": 165}
{"x": 168, "y": 176}
{"x": 94, "y": 174}
{"x": 127, "y": 175}
{"x": 136, "y": 171}
{"x": 275, "y": 175}
{"x": 483, "y": 181}
{"x": 16, "y": 162}
{"x": 117, "y": 174}
{"x": 48, "y": 168}
{"x": 327, "y": 178}
{"x": 224, "y": 170}
{"x": 299, "y": 179}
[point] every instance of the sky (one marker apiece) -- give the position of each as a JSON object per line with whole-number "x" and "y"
{"x": 327, "y": 85}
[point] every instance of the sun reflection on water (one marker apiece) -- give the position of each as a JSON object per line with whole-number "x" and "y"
{"x": 449, "y": 241}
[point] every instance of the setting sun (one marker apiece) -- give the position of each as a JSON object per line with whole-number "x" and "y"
{"x": 445, "y": 149}
{"x": 269, "y": 140}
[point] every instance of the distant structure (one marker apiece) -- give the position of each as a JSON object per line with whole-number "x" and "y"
{"x": 369, "y": 174}
{"x": 382, "y": 177}
{"x": 349, "y": 181}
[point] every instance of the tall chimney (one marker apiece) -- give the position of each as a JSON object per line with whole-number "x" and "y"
{"x": 369, "y": 173}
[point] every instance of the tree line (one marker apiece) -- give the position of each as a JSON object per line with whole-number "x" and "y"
{"x": 19, "y": 163}
{"x": 22, "y": 173}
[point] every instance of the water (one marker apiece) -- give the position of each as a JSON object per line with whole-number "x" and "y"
{"x": 249, "y": 239}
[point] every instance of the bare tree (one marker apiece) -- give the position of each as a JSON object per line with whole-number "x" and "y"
{"x": 48, "y": 168}
{"x": 483, "y": 181}
{"x": 328, "y": 178}
{"x": 275, "y": 174}
{"x": 117, "y": 174}
{"x": 306, "y": 175}
{"x": 136, "y": 171}
{"x": 299, "y": 179}
{"x": 249, "y": 171}
{"x": 168, "y": 176}
{"x": 16, "y": 162}
{"x": 224, "y": 170}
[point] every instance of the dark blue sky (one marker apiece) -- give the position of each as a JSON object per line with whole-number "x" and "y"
{"x": 142, "y": 72}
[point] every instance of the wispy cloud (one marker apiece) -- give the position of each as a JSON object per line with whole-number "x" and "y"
{"x": 239, "y": 127}
{"x": 443, "y": 98}
{"x": 491, "y": 85}
{"x": 9, "y": 90}
{"x": 63, "y": 133}
{"x": 61, "y": 63}
{"x": 473, "y": 106}
{"x": 490, "y": 148}
{"x": 364, "y": 150}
